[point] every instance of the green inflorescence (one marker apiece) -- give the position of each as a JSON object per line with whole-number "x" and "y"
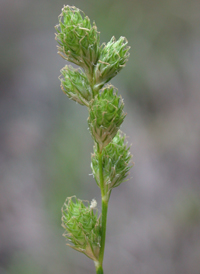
{"x": 113, "y": 58}
{"x": 116, "y": 159}
{"x": 79, "y": 43}
{"x": 105, "y": 116}
{"x": 82, "y": 227}
{"x": 78, "y": 39}
{"x": 75, "y": 84}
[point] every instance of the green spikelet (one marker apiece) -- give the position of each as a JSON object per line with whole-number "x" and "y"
{"x": 78, "y": 39}
{"x": 105, "y": 116}
{"x": 113, "y": 58}
{"x": 82, "y": 226}
{"x": 75, "y": 84}
{"x": 116, "y": 160}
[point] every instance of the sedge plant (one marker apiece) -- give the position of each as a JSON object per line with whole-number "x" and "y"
{"x": 79, "y": 43}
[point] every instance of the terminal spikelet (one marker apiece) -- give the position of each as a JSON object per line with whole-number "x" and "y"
{"x": 78, "y": 40}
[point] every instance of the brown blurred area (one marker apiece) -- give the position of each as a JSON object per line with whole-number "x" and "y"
{"x": 154, "y": 218}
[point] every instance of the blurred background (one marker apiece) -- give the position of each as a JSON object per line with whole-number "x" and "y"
{"x": 45, "y": 146}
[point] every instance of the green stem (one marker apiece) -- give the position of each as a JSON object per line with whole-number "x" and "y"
{"x": 100, "y": 171}
{"x": 104, "y": 200}
{"x": 99, "y": 268}
{"x": 103, "y": 235}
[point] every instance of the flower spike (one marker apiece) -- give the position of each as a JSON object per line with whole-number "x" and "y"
{"x": 78, "y": 40}
{"x": 75, "y": 84}
{"x": 105, "y": 116}
{"x": 113, "y": 58}
{"x": 116, "y": 162}
{"x": 82, "y": 227}
{"x": 79, "y": 43}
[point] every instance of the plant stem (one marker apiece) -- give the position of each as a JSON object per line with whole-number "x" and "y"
{"x": 104, "y": 201}
{"x": 99, "y": 268}
{"x": 103, "y": 235}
